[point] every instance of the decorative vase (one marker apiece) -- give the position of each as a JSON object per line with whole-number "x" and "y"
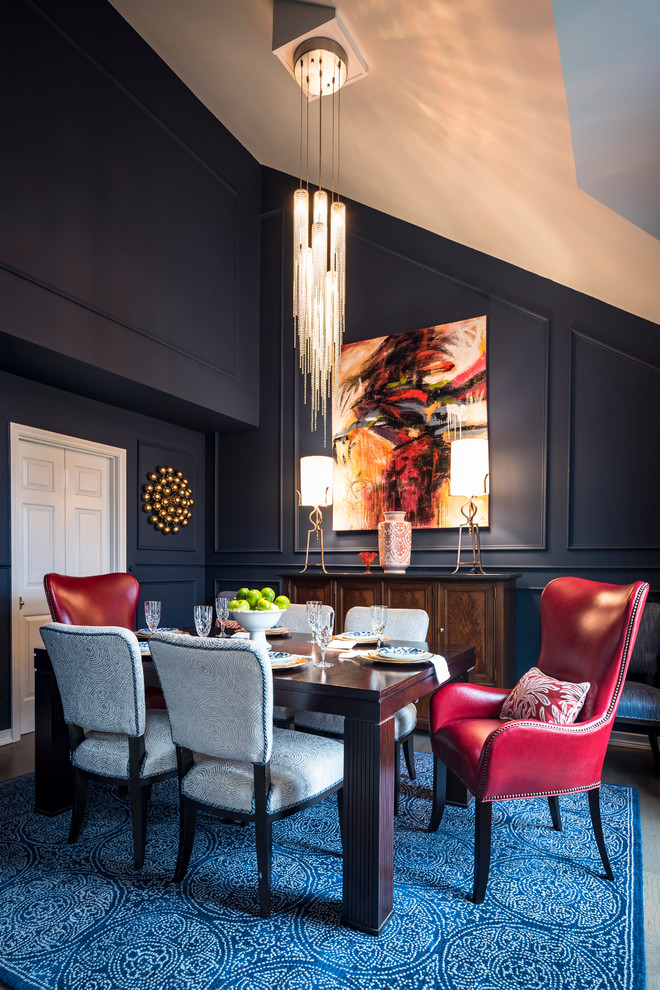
{"x": 394, "y": 542}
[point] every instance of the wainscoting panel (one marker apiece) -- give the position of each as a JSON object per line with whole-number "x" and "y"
{"x": 614, "y": 455}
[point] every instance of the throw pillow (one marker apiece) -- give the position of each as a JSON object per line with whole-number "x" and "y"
{"x": 544, "y": 698}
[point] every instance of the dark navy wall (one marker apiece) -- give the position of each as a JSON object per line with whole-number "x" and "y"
{"x": 573, "y": 412}
{"x": 169, "y": 568}
{"x": 130, "y": 222}
{"x": 129, "y": 271}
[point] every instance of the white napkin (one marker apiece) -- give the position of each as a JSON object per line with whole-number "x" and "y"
{"x": 441, "y": 668}
{"x": 342, "y": 644}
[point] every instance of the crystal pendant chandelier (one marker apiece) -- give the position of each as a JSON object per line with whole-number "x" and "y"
{"x": 319, "y": 253}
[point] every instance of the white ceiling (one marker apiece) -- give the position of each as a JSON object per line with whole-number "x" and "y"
{"x": 461, "y": 126}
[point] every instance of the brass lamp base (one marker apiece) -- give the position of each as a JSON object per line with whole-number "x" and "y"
{"x": 315, "y": 518}
{"x": 473, "y": 529}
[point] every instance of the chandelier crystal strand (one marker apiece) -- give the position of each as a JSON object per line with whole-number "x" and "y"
{"x": 319, "y": 262}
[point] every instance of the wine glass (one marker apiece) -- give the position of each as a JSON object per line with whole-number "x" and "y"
{"x": 312, "y": 609}
{"x": 203, "y": 619}
{"x": 324, "y": 621}
{"x": 222, "y": 611}
{"x": 378, "y": 615}
{"x": 152, "y": 615}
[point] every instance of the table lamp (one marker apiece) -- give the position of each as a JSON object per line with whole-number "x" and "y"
{"x": 468, "y": 477}
{"x": 316, "y": 491}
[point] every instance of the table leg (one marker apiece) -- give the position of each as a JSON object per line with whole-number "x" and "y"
{"x": 368, "y": 824}
{"x": 53, "y": 781}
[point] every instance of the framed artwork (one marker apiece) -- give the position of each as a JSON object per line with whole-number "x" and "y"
{"x": 399, "y": 403}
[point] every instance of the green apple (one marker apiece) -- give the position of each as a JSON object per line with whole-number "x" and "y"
{"x": 239, "y": 605}
{"x": 253, "y": 597}
{"x": 242, "y": 593}
{"x": 262, "y": 605}
{"x": 268, "y": 594}
{"x": 282, "y": 602}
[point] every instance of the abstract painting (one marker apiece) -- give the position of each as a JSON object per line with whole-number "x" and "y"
{"x": 399, "y": 403}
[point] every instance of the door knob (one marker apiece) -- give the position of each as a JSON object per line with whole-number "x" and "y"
{"x": 21, "y": 603}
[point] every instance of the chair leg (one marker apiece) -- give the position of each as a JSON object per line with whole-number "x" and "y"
{"x": 139, "y": 816}
{"x": 555, "y": 813}
{"x": 187, "y": 826}
{"x": 340, "y": 810}
{"x": 482, "y": 829}
{"x": 80, "y": 786}
{"x": 409, "y": 754}
{"x": 439, "y": 793}
{"x": 397, "y": 775}
{"x": 264, "y": 836}
{"x": 594, "y": 808}
{"x": 653, "y": 739}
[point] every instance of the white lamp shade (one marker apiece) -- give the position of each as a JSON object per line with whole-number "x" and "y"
{"x": 316, "y": 480}
{"x": 469, "y": 467}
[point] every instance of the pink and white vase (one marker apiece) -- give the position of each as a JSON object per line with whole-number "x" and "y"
{"x": 394, "y": 542}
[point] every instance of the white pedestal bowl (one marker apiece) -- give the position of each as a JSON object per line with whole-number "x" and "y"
{"x": 256, "y": 623}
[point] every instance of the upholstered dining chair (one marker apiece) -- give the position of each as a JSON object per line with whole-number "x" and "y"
{"x": 639, "y": 708}
{"x": 295, "y": 619}
{"x": 232, "y": 763}
{"x": 99, "y": 675}
{"x": 97, "y": 600}
{"x": 536, "y": 741}
{"x": 402, "y": 623}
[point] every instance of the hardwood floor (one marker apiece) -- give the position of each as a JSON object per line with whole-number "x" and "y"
{"x": 622, "y": 766}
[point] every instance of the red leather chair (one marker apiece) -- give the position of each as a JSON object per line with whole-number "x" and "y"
{"x": 588, "y": 632}
{"x": 97, "y": 600}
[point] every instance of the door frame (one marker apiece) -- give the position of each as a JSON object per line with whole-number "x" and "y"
{"x": 117, "y": 507}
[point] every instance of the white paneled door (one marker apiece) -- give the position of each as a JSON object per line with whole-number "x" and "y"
{"x": 68, "y": 508}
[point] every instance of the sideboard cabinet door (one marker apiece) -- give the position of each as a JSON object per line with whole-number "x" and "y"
{"x": 414, "y": 593}
{"x": 303, "y": 588}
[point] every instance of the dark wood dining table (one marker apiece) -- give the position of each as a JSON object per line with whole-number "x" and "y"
{"x": 367, "y": 694}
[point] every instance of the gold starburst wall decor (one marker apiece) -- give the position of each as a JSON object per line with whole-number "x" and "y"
{"x": 167, "y": 497}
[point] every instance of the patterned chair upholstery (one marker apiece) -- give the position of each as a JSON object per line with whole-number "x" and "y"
{"x": 99, "y": 676}
{"x": 97, "y": 600}
{"x": 295, "y": 619}
{"x": 402, "y": 623}
{"x": 639, "y": 708}
{"x": 233, "y": 763}
{"x": 588, "y": 632}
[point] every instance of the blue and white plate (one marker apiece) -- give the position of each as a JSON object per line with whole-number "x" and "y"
{"x": 280, "y": 661}
{"x": 403, "y": 653}
{"x": 361, "y": 636}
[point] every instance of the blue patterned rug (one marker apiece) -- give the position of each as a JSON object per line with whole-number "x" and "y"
{"x": 79, "y": 918}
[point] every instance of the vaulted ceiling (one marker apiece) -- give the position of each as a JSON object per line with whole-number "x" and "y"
{"x": 462, "y": 124}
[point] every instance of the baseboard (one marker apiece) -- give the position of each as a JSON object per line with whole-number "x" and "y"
{"x": 6, "y": 737}
{"x": 629, "y": 740}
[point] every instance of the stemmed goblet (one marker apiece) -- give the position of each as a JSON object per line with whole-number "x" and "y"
{"x": 312, "y": 609}
{"x": 203, "y": 619}
{"x": 378, "y": 615}
{"x": 324, "y": 622}
{"x": 222, "y": 612}
{"x": 152, "y": 615}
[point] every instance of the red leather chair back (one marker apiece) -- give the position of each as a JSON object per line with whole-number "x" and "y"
{"x": 586, "y": 631}
{"x": 97, "y": 600}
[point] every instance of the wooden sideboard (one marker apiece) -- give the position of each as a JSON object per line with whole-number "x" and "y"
{"x": 463, "y": 608}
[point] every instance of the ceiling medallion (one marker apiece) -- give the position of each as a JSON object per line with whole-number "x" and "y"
{"x": 168, "y": 497}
